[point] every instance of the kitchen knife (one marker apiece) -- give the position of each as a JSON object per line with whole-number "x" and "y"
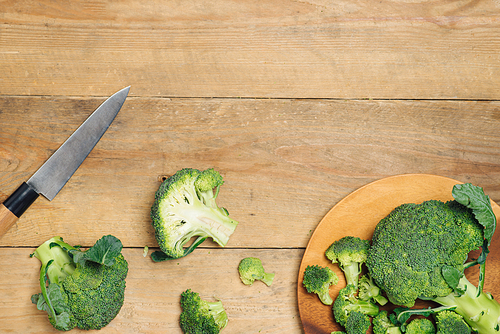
{"x": 49, "y": 179}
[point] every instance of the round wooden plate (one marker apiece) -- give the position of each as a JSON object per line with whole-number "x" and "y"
{"x": 357, "y": 215}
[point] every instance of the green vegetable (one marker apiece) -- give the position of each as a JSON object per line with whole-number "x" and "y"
{"x": 449, "y": 322}
{"x": 347, "y": 302}
{"x": 382, "y": 324}
{"x": 357, "y": 323}
{"x": 419, "y": 252}
{"x": 184, "y": 208}
{"x": 251, "y": 269}
{"x": 421, "y": 326}
{"x": 318, "y": 280}
{"x": 199, "y": 316}
{"x": 369, "y": 291}
{"x": 83, "y": 289}
{"x": 350, "y": 253}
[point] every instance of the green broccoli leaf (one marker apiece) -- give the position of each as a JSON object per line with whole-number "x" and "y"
{"x": 159, "y": 256}
{"x": 103, "y": 252}
{"x": 475, "y": 199}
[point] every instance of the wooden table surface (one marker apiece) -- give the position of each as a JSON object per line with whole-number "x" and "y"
{"x": 296, "y": 103}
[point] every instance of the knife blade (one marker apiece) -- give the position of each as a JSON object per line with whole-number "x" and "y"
{"x": 51, "y": 177}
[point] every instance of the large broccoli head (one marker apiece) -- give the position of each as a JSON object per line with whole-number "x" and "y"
{"x": 414, "y": 244}
{"x": 185, "y": 207}
{"x": 81, "y": 289}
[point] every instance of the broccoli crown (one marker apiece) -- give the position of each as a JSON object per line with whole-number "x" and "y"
{"x": 420, "y": 326}
{"x": 357, "y": 323}
{"x": 382, "y": 324}
{"x": 185, "y": 207}
{"x": 450, "y": 322}
{"x": 350, "y": 253}
{"x": 412, "y": 245}
{"x": 199, "y": 316}
{"x": 251, "y": 269}
{"x": 318, "y": 280}
{"x": 85, "y": 289}
{"x": 347, "y": 302}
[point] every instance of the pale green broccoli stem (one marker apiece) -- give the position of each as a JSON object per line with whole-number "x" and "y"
{"x": 481, "y": 312}
{"x": 351, "y": 273}
{"x": 213, "y": 219}
{"x": 57, "y": 261}
{"x": 268, "y": 278}
{"x": 218, "y": 313}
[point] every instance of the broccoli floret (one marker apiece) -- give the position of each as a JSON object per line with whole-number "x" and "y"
{"x": 369, "y": 291}
{"x": 184, "y": 208}
{"x": 449, "y": 322}
{"x": 419, "y": 251}
{"x": 347, "y": 302}
{"x": 420, "y": 326}
{"x": 251, "y": 269}
{"x": 83, "y": 289}
{"x": 382, "y": 324}
{"x": 318, "y": 280}
{"x": 350, "y": 253}
{"x": 357, "y": 323}
{"x": 201, "y": 316}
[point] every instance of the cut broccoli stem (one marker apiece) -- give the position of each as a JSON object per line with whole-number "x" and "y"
{"x": 351, "y": 273}
{"x": 214, "y": 220}
{"x": 58, "y": 262}
{"x": 481, "y": 312}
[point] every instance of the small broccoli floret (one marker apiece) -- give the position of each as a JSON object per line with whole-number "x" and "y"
{"x": 251, "y": 269}
{"x": 382, "y": 324}
{"x": 184, "y": 208}
{"x": 357, "y": 323}
{"x": 450, "y": 322}
{"x": 347, "y": 302}
{"x": 201, "y": 316}
{"x": 420, "y": 326}
{"x": 83, "y": 289}
{"x": 318, "y": 280}
{"x": 419, "y": 251}
{"x": 350, "y": 253}
{"x": 369, "y": 291}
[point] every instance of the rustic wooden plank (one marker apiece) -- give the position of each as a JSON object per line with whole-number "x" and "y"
{"x": 298, "y": 49}
{"x": 285, "y": 162}
{"x": 153, "y": 292}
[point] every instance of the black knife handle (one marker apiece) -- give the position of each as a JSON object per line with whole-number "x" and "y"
{"x": 21, "y": 199}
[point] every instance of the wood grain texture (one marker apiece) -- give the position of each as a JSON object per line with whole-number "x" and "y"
{"x": 153, "y": 292}
{"x": 248, "y": 48}
{"x": 284, "y": 162}
{"x": 7, "y": 219}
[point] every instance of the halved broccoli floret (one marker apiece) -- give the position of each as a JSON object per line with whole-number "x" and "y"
{"x": 251, "y": 269}
{"x": 450, "y": 322}
{"x": 419, "y": 251}
{"x": 347, "y": 302}
{"x": 318, "y": 280}
{"x": 350, "y": 253}
{"x": 201, "y": 316}
{"x": 184, "y": 208}
{"x": 83, "y": 289}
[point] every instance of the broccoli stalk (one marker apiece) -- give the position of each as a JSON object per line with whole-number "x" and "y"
{"x": 201, "y": 316}
{"x": 369, "y": 291}
{"x": 184, "y": 208}
{"x": 418, "y": 252}
{"x": 83, "y": 289}
{"x": 350, "y": 253}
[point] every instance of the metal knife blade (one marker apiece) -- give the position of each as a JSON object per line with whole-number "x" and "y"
{"x": 51, "y": 177}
